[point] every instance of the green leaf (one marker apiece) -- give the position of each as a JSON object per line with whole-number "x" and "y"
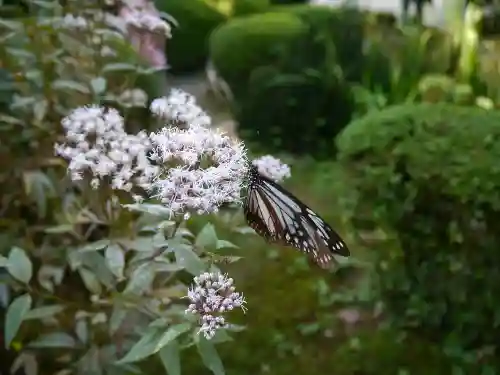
{"x": 66, "y": 85}
{"x": 98, "y": 85}
{"x": 44, "y": 312}
{"x": 94, "y": 246}
{"x": 170, "y": 358}
{"x": 171, "y": 334}
{"x": 3, "y": 261}
{"x": 209, "y": 356}
{"x": 15, "y": 316}
{"x": 207, "y": 238}
{"x": 90, "y": 280}
{"x": 141, "y": 280}
{"x": 117, "y": 317}
{"x": 188, "y": 259}
{"x": 118, "y": 67}
{"x": 223, "y": 244}
{"x": 19, "y": 265}
{"x": 54, "y": 340}
{"x": 142, "y": 348}
{"x": 115, "y": 260}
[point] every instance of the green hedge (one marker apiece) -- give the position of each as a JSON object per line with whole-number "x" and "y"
{"x": 243, "y": 44}
{"x": 247, "y": 7}
{"x": 187, "y": 50}
{"x": 430, "y": 172}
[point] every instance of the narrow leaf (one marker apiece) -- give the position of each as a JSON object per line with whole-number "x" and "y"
{"x": 54, "y": 340}
{"x": 44, "y": 312}
{"x": 170, "y": 358}
{"x": 90, "y": 280}
{"x": 142, "y": 348}
{"x": 60, "y": 84}
{"x": 209, "y": 356}
{"x": 19, "y": 265}
{"x": 171, "y": 334}
{"x": 207, "y": 238}
{"x": 15, "y": 316}
{"x": 115, "y": 260}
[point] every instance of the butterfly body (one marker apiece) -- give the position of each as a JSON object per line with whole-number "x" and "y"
{"x": 280, "y": 217}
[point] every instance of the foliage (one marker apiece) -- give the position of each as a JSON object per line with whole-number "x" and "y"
{"x": 265, "y": 37}
{"x": 246, "y": 7}
{"x": 429, "y": 173}
{"x": 188, "y": 48}
{"x": 87, "y": 284}
{"x": 386, "y": 351}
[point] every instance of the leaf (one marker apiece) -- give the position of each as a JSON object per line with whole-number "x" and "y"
{"x": 98, "y": 85}
{"x": 25, "y": 363}
{"x": 54, "y": 340}
{"x": 15, "y": 316}
{"x": 19, "y": 265}
{"x": 44, "y": 312}
{"x": 38, "y": 187}
{"x": 142, "y": 348}
{"x": 115, "y": 260}
{"x": 207, "y": 238}
{"x": 4, "y": 295}
{"x": 170, "y": 358}
{"x": 117, "y": 317}
{"x": 141, "y": 280}
{"x": 171, "y": 334}
{"x": 223, "y": 244}
{"x": 3, "y": 261}
{"x": 82, "y": 331}
{"x": 94, "y": 246}
{"x": 209, "y": 356}
{"x": 90, "y": 280}
{"x": 61, "y": 84}
{"x": 118, "y": 67}
{"x": 188, "y": 259}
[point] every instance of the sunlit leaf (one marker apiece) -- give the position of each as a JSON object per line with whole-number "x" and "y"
{"x": 170, "y": 358}
{"x": 66, "y": 85}
{"x": 115, "y": 260}
{"x": 14, "y": 317}
{"x": 207, "y": 238}
{"x": 98, "y": 85}
{"x": 117, "y": 317}
{"x": 44, "y": 312}
{"x": 19, "y": 265}
{"x": 54, "y": 340}
{"x": 209, "y": 356}
{"x": 141, "y": 279}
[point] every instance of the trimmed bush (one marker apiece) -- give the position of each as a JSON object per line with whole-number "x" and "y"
{"x": 244, "y": 44}
{"x": 430, "y": 172}
{"x": 246, "y": 7}
{"x": 187, "y": 50}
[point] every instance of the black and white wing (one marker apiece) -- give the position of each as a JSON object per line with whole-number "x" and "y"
{"x": 280, "y": 217}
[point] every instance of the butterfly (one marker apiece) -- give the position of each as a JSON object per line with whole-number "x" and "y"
{"x": 280, "y": 217}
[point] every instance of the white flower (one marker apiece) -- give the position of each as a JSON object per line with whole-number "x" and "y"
{"x": 70, "y": 21}
{"x": 143, "y": 19}
{"x": 96, "y": 143}
{"x": 201, "y": 168}
{"x": 133, "y": 98}
{"x": 212, "y": 295}
{"x": 181, "y": 107}
{"x": 272, "y": 168}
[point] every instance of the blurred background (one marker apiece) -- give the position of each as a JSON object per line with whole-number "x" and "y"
{"x": 387, "y": 113}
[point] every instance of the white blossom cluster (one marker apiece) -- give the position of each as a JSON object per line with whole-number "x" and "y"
{"x": 72, "y": 22}
{"x": 145, "y": 20}
{"x": 97, "y": 144}
{"x": 212, "y": 295}
{"x": 272, "y": 168}
{"x": 180, "y": 107}
{"x": 201, "y": 169}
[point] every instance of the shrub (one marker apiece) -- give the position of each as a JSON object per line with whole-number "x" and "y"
{"x": 244, "y": 44}
{"x": 246, "y": 7}
{"x": 430, "y": 172}
{"x": 187, "y": 50}
{"x": 389, "y": 352}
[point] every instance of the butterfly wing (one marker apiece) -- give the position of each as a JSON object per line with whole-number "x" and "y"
{"x": 280, "y": 217}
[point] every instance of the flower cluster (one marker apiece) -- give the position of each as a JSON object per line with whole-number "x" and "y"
{"x": 272, "y": 168}
{"x": 144, "y": 19}
{"x": 97, "y": 144}
{"x": 181, "y": 109}
{"x": 203, "y": 168}
{"x": 212, "y": 295}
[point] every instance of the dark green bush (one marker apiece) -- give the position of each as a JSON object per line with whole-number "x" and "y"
{"x": 387, "y": 352}
{"x": 244, "y": 44}
{"x": 246, "y": 7}
{"x": 430, "y": 172}
{"x": 187, "y": 50}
